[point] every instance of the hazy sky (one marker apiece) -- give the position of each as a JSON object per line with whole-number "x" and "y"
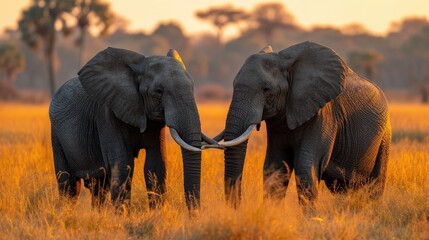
{"x": 375, "y": 15}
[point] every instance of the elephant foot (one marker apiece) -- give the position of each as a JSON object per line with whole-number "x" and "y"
{"x": 156, "y": 201}
{"x": 69, "y": 186}
{"x": 194, "y": 213}
{"x": 122, "y": 209}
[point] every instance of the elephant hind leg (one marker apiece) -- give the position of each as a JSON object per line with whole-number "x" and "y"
{"x": 336, "y": 186}
{"x": 68, "y": 185}
{"x": 378, "y": 174}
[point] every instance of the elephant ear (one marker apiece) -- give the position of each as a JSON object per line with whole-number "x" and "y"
{"x": 110, "y": 78}
{"x": 266, "y": 49}
{"x": 316, "y": 76}
{"x": 174, "y": 54}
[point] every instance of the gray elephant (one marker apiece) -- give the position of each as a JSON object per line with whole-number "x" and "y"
{"x": 119, "y": 104}
{"x": 323, "y": 121}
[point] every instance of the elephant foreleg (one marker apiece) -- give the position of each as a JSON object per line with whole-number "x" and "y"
{"x": 120, "y": 183}
{"x": 306, "y": 182}
{"x": 278, "y": 167}
{"x": 308, "y": 166}
{"x": 311, "y": 159}
{"x": 118, "y": 159}
{"x": 155, "y": 174}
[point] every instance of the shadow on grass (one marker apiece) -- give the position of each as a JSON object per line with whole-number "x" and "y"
{"x": 413, "y": 136}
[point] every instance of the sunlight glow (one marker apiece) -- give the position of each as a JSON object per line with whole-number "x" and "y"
{"x": 376, "y": 16}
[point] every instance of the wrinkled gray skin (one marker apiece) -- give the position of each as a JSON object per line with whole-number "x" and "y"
{"x": 119, "y": 104}
{"x": 323, "y": 121}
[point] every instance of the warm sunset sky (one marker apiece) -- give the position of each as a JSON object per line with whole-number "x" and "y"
{"x": 375, "y": 15}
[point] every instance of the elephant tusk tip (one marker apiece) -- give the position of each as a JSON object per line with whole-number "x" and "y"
{"x": 182, "y": 143}
{"x": 239, "y": 139}
{"x": 216, "y": 146}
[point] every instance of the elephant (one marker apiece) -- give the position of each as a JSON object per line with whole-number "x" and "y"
{"x": 323, "y": 121}
{"x": 120, "y": 103}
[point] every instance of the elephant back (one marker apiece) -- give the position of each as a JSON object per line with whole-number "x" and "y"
{"x": 71, "y": 99}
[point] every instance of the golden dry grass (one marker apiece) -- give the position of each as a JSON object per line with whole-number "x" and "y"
{"x": 29, "y": 208}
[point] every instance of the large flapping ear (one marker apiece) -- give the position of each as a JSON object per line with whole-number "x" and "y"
{"x": 316, "y": 75}
{"x": 266, "y": 49}
{"x": 174, "y": 54}
{"x": 109, "y": 78}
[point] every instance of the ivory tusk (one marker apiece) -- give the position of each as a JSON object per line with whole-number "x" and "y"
{"x": 212, "y": 146}
{"x": 182, "y": 143}
{"x": 208, "y": 139}
{"x": 240, "y": 139}
{"x": 220, "y": 136}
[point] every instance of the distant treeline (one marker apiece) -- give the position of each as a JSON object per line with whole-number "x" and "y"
{"x": 397, "y": 61}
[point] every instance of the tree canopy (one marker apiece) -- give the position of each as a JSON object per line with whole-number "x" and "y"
{"x": 222, "y": 16}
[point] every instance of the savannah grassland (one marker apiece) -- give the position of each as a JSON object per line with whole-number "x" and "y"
{"x": 29, "y": 208}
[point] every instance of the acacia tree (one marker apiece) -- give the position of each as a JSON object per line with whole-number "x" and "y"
{"x": 172, "y": 33}
{"x": 353, "y": 29}
{"x": 221, "y": 17}
{"x": 39, "y": 23}
{"x": 11, "y": 63}
{"x": 94, "y": 14}
{"x": 269, "y": 16}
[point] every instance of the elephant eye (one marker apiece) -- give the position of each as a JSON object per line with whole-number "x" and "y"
{"x": 266, "y": 89}
{"x": 287, "y": 74}
{"x": 158, "y": 91}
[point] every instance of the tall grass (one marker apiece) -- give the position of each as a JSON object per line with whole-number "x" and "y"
{"x": 29, "y": 208}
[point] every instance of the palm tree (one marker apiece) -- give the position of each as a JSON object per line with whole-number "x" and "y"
{"x": 92, "y": 13}
{"x": 38, "y": 24}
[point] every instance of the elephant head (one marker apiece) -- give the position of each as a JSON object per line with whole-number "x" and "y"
{"x": 138, "y": 89}
{"x": 290, "y": 86}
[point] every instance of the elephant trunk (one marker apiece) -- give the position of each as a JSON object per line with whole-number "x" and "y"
{"x": 238, "y": 121}
{"x": 192, "y": 177}
{"x": 187, "y": 124}
{"x": 192, "y": 164}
